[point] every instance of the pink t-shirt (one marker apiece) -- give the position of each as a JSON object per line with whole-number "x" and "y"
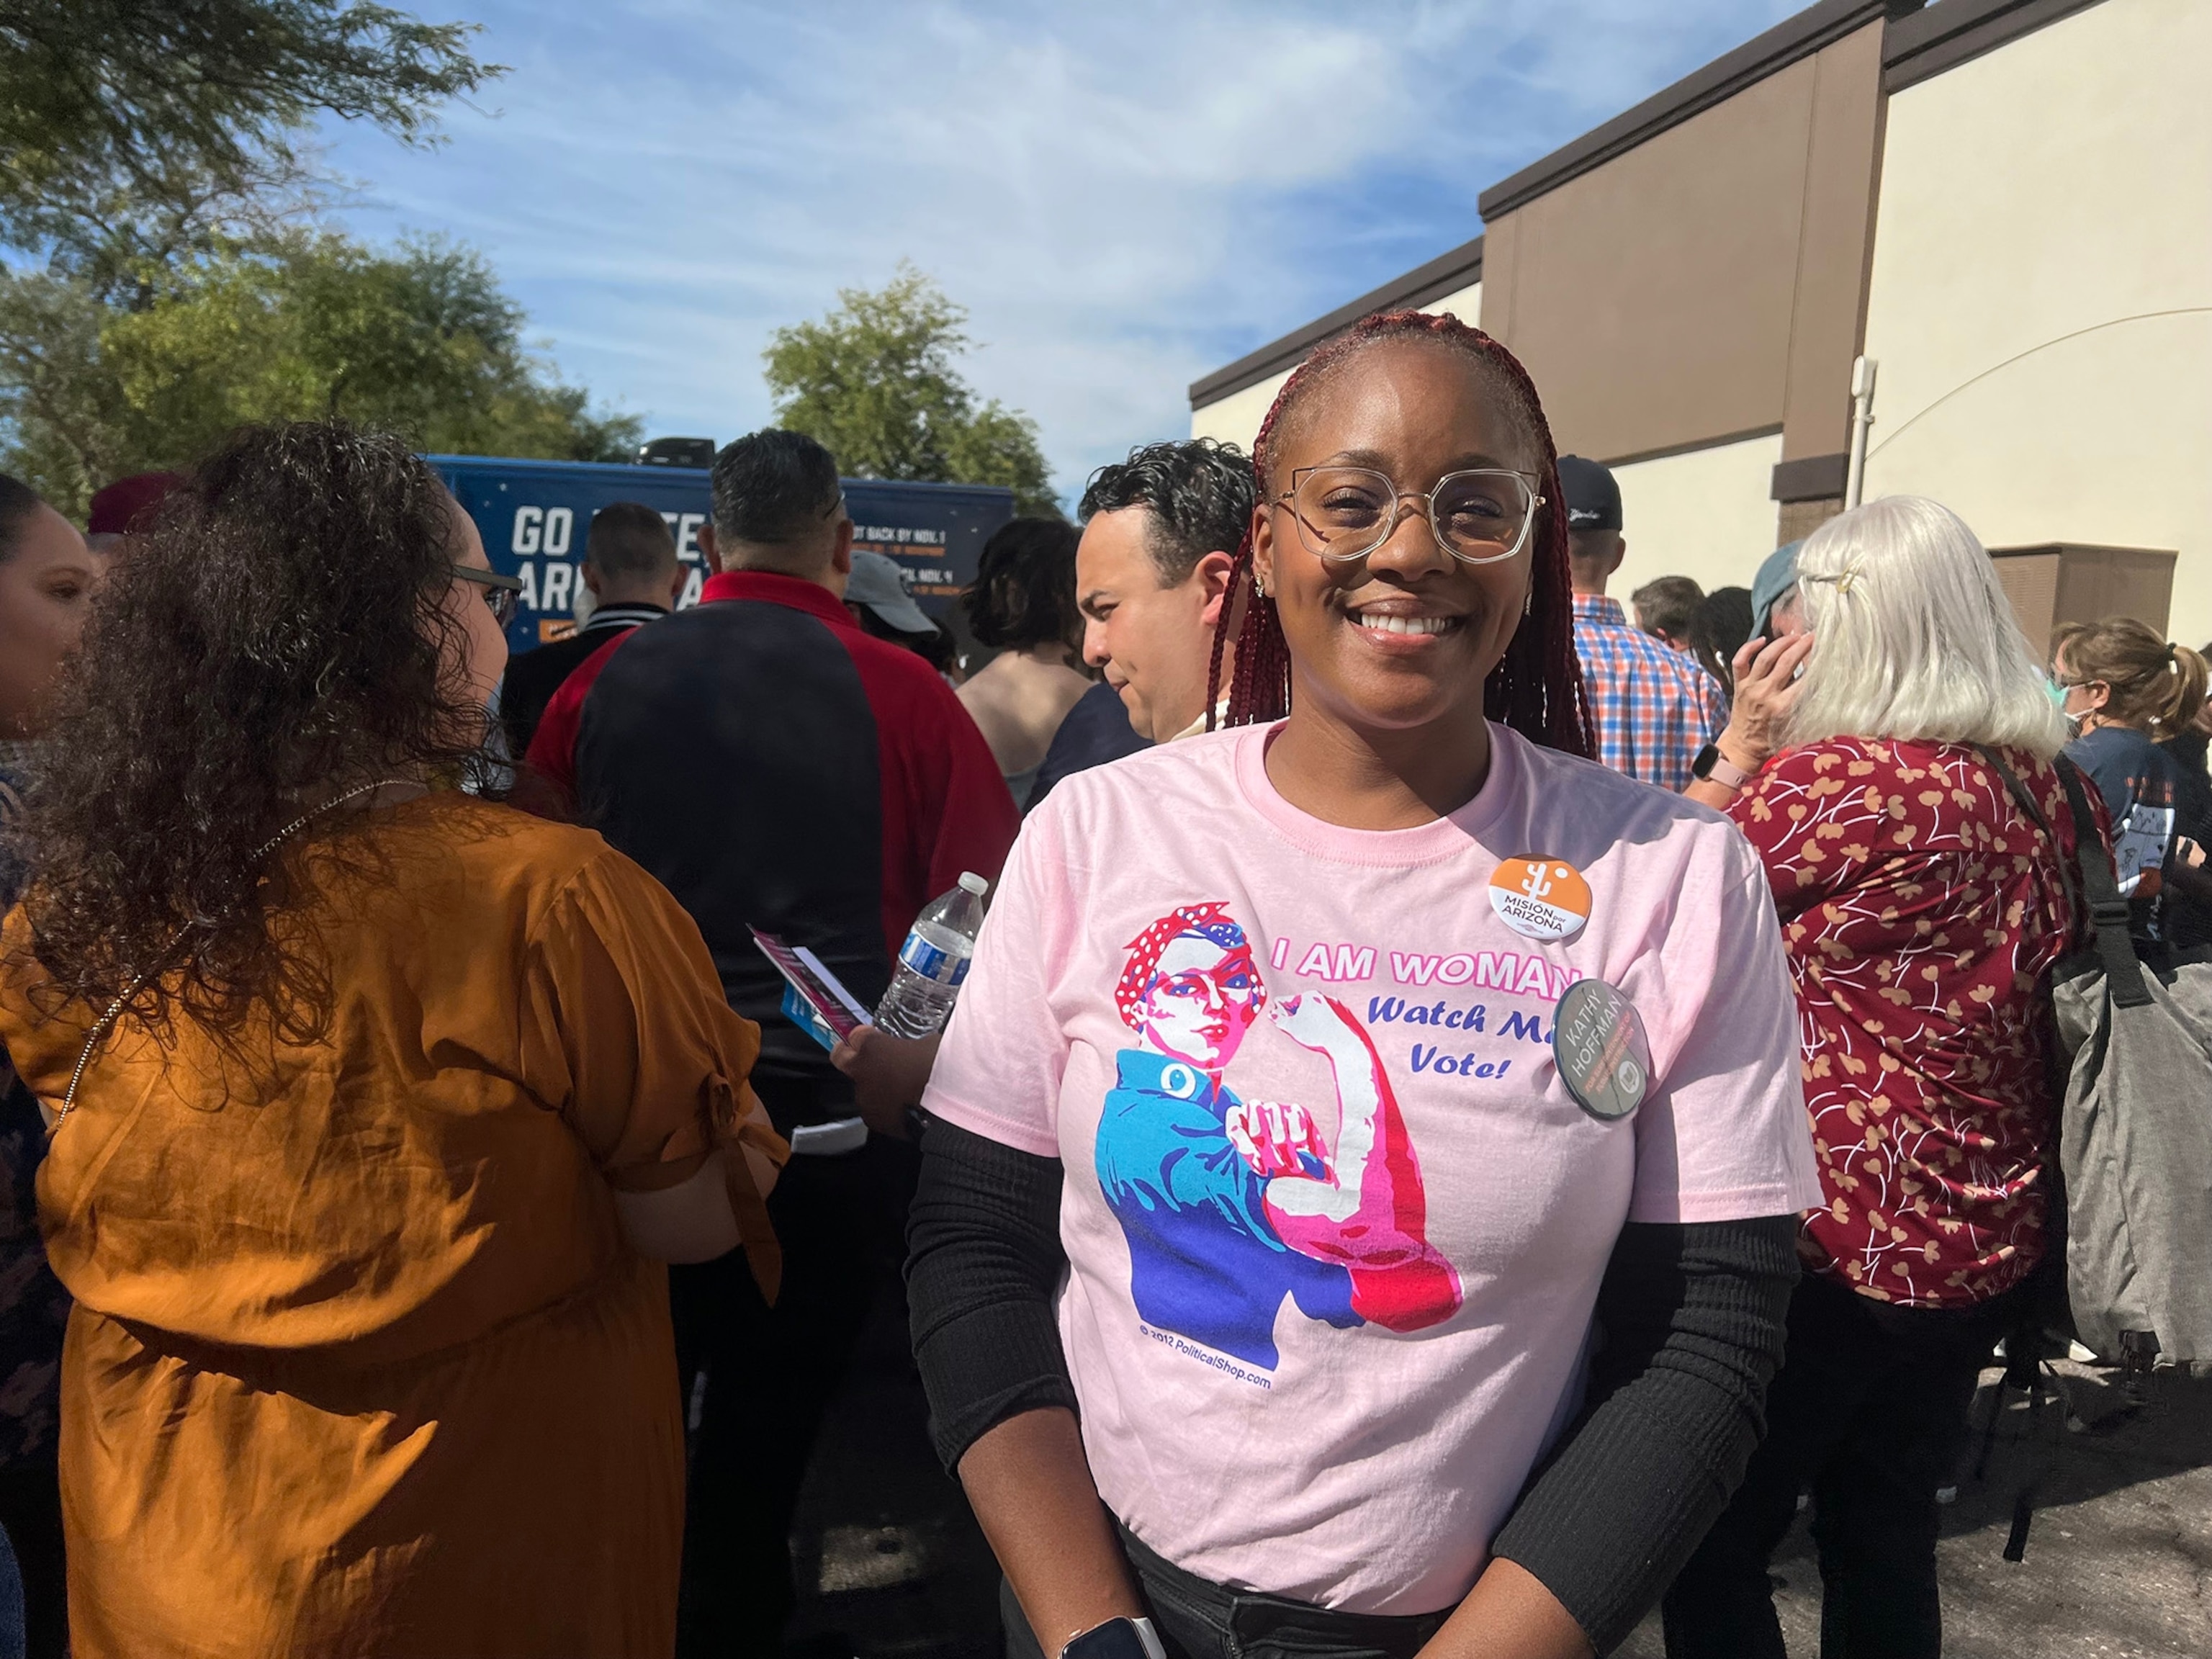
{"x": 1335, "y": 1225}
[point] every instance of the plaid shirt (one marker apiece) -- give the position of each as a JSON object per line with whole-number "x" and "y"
{"x": 1655, "y": 708}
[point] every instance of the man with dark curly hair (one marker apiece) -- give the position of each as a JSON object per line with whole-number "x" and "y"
{"x": 1151, "y": 573}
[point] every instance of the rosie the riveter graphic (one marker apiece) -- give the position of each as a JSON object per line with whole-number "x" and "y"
{"x": 1230, "y": 1205}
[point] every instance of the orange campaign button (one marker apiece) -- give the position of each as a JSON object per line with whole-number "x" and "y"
{"x": 1541, "y": 898}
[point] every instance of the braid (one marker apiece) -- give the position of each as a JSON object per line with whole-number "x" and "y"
{"x": 1537, "y": 686}
{"x": 1260, "y": 689}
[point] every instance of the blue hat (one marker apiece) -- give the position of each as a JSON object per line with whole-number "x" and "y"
{"x": 1775, "y": 577}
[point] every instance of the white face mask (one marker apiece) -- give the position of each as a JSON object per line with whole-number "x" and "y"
{"x": 2059, "y": 693}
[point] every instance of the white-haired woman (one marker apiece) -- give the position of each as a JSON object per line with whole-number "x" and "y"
{"x": 1920, "y": 907}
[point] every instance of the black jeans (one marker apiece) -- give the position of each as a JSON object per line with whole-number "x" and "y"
{"x": 769, "y": 1374}
{"x": 1869, "y": 1411}
{"x": 1197, "y": 1619}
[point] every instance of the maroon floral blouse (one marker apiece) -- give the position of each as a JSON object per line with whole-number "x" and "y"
{"x": 1920, "y": 908}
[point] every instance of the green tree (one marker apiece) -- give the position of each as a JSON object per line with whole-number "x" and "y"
{"x": 877, "y": 382}
{"x": 135, "y": 128}
{"x": 421, "y": 340}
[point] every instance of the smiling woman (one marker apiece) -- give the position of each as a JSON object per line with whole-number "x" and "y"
{"x": 1324, "y": 1302}
{"x": 1495, "y": 494}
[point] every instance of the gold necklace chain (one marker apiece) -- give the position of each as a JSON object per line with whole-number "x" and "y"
{"x": 101, "y": 1026}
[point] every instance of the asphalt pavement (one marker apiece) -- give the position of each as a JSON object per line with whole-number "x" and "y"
{"x": 2118, "y": 1558}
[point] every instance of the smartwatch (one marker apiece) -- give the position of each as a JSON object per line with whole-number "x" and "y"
{"x": 1117, "y": 1638}
{"x": 1710, "y": 767}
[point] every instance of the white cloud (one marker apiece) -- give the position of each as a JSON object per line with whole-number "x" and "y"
{"x": 1124, "y": 195}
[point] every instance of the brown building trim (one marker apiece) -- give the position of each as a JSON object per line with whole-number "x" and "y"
{"x": 1786, "y": 43}
{"x": 2101, "y": 549}
{"x": 1951, "y": 32}
{"x": 1810, "y": 478}
{"x": 2058, "y": 582}
{"x": 1795, "y": 520}
{"x": 1447, "y": 273}
{"x": 1835, "y": 244}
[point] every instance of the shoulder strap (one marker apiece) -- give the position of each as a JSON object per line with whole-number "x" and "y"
{"x": 2108, "y": 911}
{"x": 2090, "y": 877}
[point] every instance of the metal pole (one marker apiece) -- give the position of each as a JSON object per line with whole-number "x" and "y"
{"x": 1861, "y": 418}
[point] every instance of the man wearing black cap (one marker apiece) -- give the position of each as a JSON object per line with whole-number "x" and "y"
{"x": 1654, "y": 709}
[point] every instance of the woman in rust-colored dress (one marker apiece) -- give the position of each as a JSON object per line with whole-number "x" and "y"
{"x": 374, "y": 1104}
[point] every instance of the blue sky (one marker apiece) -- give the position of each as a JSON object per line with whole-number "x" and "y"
{"x": 1125, "y": 197}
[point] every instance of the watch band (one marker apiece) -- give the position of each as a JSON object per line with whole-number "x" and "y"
{"x": 1713, "y": 767}
{"x": 1117, "y": 1638}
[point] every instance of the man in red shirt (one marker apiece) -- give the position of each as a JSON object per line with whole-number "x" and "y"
{"x": 777, "y": 768}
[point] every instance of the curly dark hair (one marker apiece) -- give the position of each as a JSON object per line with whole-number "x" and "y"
{"x": 1200, "y": 491}
{"x": 1024, "y": 589}
{"x": 278, "y": 637}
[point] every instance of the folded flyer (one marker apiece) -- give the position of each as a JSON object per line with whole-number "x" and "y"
{"x": 814, "y": 999}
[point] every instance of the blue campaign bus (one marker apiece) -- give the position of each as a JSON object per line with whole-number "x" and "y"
{"x": 534, "y": 515}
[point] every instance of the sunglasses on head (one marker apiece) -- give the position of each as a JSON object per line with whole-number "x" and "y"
{"x": 502, "y": 593}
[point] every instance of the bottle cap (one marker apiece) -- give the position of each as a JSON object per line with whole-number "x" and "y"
{"x": 973, "y": 882}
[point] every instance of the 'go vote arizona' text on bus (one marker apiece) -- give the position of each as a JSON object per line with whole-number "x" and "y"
{"x": 534, "y": 516}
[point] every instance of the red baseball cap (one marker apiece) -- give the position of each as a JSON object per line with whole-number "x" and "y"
{"x": 122, "y": 503}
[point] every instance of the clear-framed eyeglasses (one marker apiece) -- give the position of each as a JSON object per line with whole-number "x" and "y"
{"x": 1481, "y": 516}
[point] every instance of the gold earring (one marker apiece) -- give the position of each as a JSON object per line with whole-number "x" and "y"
{"x": 1259, "y": 586}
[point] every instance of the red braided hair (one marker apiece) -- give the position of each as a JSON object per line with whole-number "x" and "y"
{"x": 1537, "y": 686}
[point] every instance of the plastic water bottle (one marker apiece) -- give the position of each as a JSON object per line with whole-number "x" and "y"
{"x": 934, "y": 961}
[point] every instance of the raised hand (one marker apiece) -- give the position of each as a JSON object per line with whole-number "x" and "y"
{"x": 1365, "y": 1211}
{"x": 1766, "y": 693}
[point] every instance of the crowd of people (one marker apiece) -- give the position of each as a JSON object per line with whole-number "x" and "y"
{"x": 1471, "y": 1101}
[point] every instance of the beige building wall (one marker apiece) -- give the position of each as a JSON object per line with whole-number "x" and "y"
{"x": 2041, "y": 295}
{"x": 1235, "y": 419}
{"x": 1466, "y": 305}
{"x": 1705, "y": 515}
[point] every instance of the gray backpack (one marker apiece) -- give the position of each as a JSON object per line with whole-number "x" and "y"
{"x": 2135, "y": 1145}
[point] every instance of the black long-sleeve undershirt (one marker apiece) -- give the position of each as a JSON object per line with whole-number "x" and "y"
{"x": 983, "y": 1264}
{"x": 1691, "y": 1319}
